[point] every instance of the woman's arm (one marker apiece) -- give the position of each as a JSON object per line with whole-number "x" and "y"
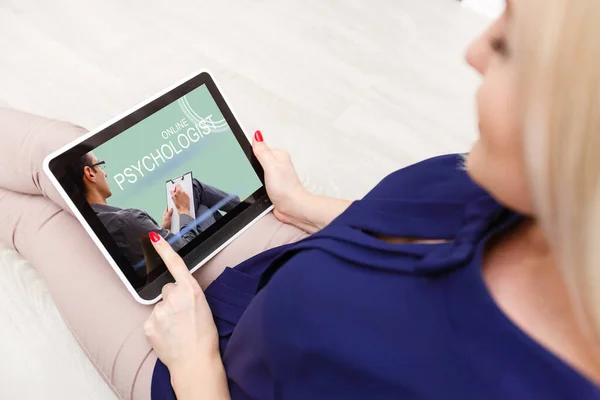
{"x": 204, "y": 380}
{"x": 183, "y": 334}
{"x": 310, "y": 212}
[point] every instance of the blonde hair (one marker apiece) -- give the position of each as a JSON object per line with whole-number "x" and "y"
{"x": 558, "y": 57}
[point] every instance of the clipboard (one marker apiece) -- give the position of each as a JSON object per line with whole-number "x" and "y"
{"x": 185, "y": 181}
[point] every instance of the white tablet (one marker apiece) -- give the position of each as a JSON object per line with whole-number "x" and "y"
{"x": 114, "y": 180}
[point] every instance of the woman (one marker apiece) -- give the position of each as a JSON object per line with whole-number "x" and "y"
{"x": 440, "y": 283}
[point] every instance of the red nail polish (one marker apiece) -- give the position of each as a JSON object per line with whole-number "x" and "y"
{"x": 258, "y": 136}
{"x": 155, "y": 237}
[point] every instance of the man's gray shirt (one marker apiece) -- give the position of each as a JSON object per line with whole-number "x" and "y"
{"x": 206, "y": 199}
{"x": 128, "y": 226}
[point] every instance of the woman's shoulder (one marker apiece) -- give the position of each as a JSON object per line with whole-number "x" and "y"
{"x": 442, "y": 177}
{"x": 425, "y": 200}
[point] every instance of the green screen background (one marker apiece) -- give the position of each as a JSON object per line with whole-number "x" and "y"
{"x": 215, "y": 159}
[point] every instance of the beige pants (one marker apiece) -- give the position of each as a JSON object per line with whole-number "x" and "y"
{"x": 102, "y": 315}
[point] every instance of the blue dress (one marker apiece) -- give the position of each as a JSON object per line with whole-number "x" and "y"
{"x": 344, "y": 315}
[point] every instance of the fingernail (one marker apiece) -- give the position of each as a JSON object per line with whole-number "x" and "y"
{"x": 258, "y": 136}
{"x": 155, "y": 237}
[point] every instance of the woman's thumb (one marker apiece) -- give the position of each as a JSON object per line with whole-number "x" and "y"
{"x": 260, "y": 148}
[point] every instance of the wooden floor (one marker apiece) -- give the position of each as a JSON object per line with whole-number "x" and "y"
{"x": 353, "y": 89}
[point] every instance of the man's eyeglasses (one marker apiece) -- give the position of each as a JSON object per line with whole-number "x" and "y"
{"x": 101, "y": 164}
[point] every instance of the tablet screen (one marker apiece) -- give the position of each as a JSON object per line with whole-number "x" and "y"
{"x": 132, "y": 181}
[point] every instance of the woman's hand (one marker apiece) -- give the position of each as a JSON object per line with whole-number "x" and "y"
{"x": 281, "y": 180}
{"x": 294, "y": 204}
{"x": 166, "y": 218}
{"x": 183, "y": 334}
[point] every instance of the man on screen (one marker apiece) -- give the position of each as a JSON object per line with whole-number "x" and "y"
{"x": 128, "y": 227}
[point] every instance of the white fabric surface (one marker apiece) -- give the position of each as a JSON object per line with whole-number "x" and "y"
{"x": 490, "y": 8}
{"x": 40, "y": 357}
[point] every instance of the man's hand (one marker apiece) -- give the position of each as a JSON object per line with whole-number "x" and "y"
{"x": 181, "y": 200}
{"x": 166, "y": 219}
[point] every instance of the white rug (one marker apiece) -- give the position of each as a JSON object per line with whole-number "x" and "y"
{"x": 40, "y": 357}
{"x": 490, "y": 8}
